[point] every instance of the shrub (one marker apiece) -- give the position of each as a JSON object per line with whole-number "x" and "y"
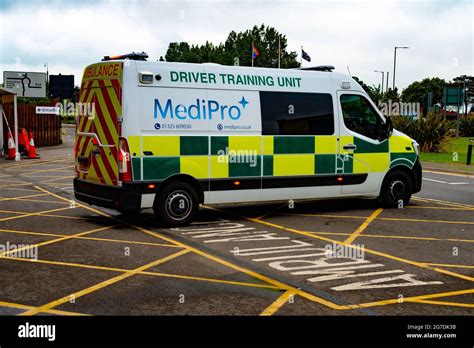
{"x": 430, "y": 132}
{"x": 466, "y": 126}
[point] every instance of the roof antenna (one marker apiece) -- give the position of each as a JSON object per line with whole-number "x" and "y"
{"x": 349, "y": 71}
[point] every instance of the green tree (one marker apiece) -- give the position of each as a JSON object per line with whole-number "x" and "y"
{"x": 237, "y": 49}
{"x": 374, "y": 92}
{"x": 417, "y": 91}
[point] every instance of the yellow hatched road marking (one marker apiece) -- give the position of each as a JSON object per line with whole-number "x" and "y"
{"x": 16, "y": 189}
{"x": 443, "y": 303}
{"x": 370, "y": 251}
{"x": 29, "y": 196}
{"x": 278, "y": 303}
{"x": 51, "y": 311}
{"x": 88, "y": 238}
{"x": 381, "y": 218}
{"x": 412, "y": 298}
{"x": 32, "y": 214}
{"x": 448, "y": 265}
{"x": 362, "y": 227}
{"x": 60, "y": 169}
{"x": 19, "y": 184}
{"x": 58, "y": 178}
{"x": 259, "y": 276}
{"x": 37, "y": 163}
{"x": 103, "y": 284}
{"x": 397, "y": 237}
{"x": 157, "y": 274}
{"x": 441, "y": 202}
{"x": 57, "y": 240}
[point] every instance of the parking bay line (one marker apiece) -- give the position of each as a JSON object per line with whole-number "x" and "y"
{"x": 103, "y": 284}
{"x": 370, "y": 251}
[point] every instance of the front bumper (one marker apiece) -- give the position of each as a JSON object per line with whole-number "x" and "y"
{"x": 122, "y": 198}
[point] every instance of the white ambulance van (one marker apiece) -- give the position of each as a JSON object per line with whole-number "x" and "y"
{"x": 172, "y": 136}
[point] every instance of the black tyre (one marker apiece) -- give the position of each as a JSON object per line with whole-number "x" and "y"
{"x": 176, "y": 204}
{"x": 396, "y": 186}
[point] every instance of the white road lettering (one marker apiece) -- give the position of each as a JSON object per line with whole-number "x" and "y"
{"x": 320, "y": 264}
{"x": 376, "y": 283}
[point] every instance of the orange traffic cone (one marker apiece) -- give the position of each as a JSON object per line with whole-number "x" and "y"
{"x": 11, "y": 148}
{"x": 32, "y": 148}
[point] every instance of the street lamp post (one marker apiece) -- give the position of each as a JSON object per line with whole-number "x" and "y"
{"x": 395, "y": 62}
{"x": 383, "y": 74}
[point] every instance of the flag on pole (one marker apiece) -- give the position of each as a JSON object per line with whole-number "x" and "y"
{"x": 305, "y": 55}
{"x": 255, "y": 52}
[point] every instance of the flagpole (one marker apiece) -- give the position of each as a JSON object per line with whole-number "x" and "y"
{"x": 279, "y": 51}
{"x": 301, "y": 59}
{"x": 251, "y": 54}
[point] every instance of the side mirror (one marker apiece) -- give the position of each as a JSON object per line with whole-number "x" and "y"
{"x": 389, "y": 126}
{"x": 386, "y": 129}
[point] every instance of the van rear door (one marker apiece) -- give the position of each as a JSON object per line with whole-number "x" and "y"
{"x": 97, "y": 126}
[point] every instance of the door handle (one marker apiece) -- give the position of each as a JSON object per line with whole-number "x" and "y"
{"x": 96, "y": 152}
{"x": 349, "y": 147}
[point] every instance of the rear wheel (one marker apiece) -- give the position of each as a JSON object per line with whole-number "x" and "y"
{"x": 397, "y": 187}
{"x": 176, "y": 204}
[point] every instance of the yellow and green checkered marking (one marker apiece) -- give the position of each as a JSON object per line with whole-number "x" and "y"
{"x": 158, "y": 157}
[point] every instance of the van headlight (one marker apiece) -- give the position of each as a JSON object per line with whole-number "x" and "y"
{"x": 416, "y": 147}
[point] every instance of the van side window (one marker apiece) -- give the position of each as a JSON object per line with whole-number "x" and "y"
{"x": 359, "y": 116}
{"x": 286, "y": 113}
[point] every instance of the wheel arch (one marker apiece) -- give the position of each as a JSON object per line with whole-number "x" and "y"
{"x": 403, "y": 168}
{"x": 182, "y": 178}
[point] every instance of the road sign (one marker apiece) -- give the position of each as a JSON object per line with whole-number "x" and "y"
{"x": 25, "y": 84}
{"x": 61, "y": 86}
{"x": 47, "y": 110}
{"x": 453, "y": 96}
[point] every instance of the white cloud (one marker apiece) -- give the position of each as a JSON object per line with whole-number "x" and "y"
{"x": 359, "y": 34}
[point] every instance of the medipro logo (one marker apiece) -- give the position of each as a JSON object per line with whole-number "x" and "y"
{"x": 200, "y": 110}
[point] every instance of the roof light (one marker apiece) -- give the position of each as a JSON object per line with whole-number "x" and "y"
{"x": 131, "y": 56}
{"x": 345, "y": 85}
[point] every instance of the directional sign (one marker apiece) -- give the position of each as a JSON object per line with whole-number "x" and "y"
{"x": 47, "y": 110}
{"x": 25, "y": 84}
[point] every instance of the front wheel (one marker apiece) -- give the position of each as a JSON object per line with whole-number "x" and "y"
{"x": 397, "y": 187}
{"x": 177, "y": 204}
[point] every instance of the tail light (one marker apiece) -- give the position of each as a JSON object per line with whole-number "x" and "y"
{"x": 125, "y": 164}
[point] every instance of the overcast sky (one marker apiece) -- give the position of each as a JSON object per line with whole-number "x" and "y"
{"x": 69, "y": 35}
